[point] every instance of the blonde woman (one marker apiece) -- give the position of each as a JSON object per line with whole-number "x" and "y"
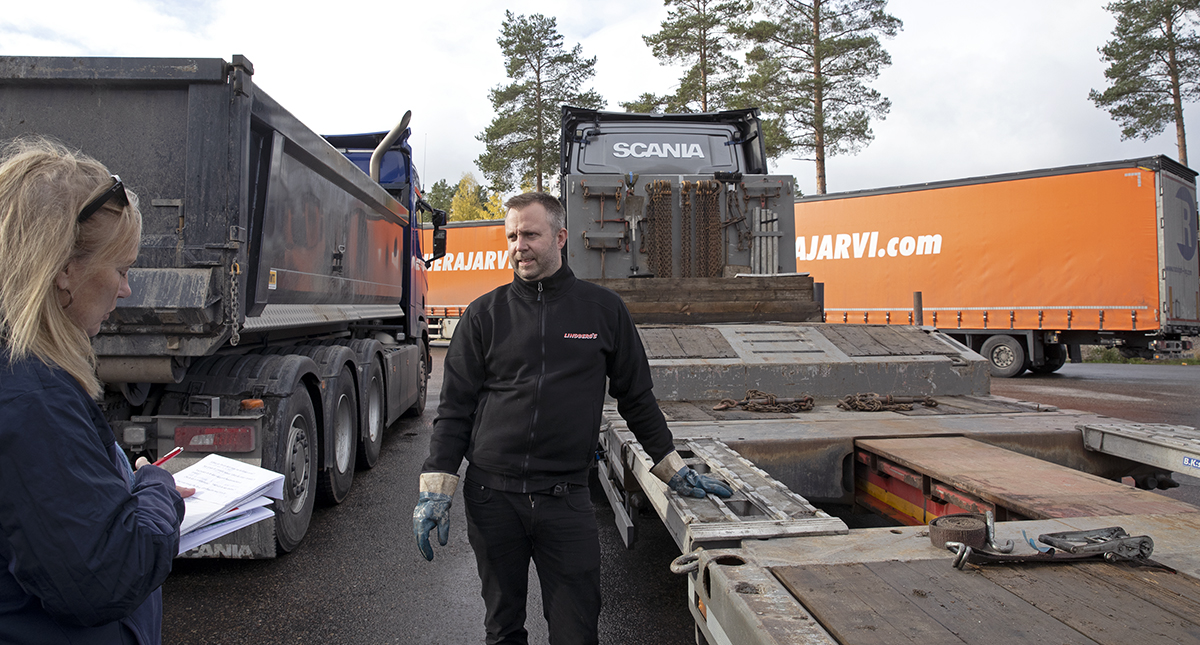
{"x": 85, "y": 542}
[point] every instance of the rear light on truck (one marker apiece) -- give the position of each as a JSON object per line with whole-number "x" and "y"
{"x": 215, "y": 439}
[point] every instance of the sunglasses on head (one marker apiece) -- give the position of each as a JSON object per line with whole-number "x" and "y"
{"x": 117, "y": 191}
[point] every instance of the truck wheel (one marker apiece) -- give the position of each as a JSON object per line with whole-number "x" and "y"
{"x": 297, "y": 460}
{"x": 1005, "y": 356}
{"x": 334, "y": 482}
{"x": 371, "y": 439}
{"x": 418, "y": 408}
{"x": 1056, "y": 357}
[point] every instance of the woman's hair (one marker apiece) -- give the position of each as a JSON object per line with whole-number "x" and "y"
{"x": 43, "y": 188}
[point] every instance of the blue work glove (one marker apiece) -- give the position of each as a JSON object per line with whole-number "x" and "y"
{"x": 689, "y": 483}
{"x": 433, "y": 509}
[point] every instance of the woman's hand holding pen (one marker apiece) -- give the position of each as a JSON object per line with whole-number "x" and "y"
{"x": 184, "y": 491}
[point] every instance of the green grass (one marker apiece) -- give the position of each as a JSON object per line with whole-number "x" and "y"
{"x": 1111, "y": 355}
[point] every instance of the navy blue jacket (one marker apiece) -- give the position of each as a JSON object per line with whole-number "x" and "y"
{"x": 85, "y": 543}
{"x": 523, "y": 388}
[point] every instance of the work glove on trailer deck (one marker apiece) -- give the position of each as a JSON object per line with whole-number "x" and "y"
{"x": 683, "y": 479}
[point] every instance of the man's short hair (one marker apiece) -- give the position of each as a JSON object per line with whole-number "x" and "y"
{"x": 554, "y": 208}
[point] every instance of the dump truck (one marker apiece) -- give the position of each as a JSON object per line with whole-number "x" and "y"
{"x": 1022, "y": 267}
{"x": 277, "y": 308}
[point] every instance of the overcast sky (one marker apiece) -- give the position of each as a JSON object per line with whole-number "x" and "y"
{"x": 976, "y": 87}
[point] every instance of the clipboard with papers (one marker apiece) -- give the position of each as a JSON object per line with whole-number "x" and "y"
{"x": 229, "y": 495}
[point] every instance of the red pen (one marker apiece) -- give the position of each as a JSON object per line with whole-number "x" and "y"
{"x": 167, "y": 457}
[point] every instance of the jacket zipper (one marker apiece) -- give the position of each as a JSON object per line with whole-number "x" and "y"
{"x": 537, "y": 390}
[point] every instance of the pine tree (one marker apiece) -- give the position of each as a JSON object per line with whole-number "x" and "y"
{"x": 695, "y": 33}
{"x": 1154, "y": 67}
{"x": 522, "y": 141}
{"x": 811, "y": 63}
{"x": 439, "y": 196}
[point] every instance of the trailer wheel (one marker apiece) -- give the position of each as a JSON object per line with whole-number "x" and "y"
{"x": 371, "y": 439}
{"x": 1005, "y": 356}
{"x": 1056, "y": 357}
{"x": 334, "y": 482}
{"x": 297, "y": 460}
{"x": 418, "y": 408}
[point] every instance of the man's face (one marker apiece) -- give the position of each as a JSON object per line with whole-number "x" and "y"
{"x": 533, "y": 248}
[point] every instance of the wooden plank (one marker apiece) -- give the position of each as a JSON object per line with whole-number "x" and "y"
{"x": 858, "y": 342}
{"x": 660, "y": 342}
{"x": 724, "y": 295}
{"x": 1171, "y": 591}
{"x": 895, "y": 342}
{"x": 703, "y": 342}
{"x": 847, "y": 600}
{"x": 671, "y": 314}
{"x": 790, "y": 283}
{"x": 972, "y": 607}
{"x": 1032, "y": 487}
{"x": 1085, "y": 599}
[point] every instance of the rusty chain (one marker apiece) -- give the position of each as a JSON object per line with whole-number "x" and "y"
{"x": 708, "y": 228}
{"x": 759, "y": 401}
{"x": 872, "y": 402}
{"x": 658, "y": 216}
{"x": 685, "y": 230}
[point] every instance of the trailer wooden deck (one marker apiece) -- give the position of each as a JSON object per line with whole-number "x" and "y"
{"x": 927, "y": 602}
{"x": 972, "y": 476}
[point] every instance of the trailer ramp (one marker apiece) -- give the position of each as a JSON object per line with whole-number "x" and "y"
{"x": 760, "y": 507}
{"x": 1174, "y": 448}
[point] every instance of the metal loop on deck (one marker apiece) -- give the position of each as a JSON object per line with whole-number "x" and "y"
{"x": 686, "y": 563}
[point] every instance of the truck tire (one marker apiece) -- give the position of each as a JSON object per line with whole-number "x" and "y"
{"x": 370, "y": 439}
{"x": 1055, "y": 357}
{"x": 1005, "y": 356}
{"x": 334, "y": 482}
{"x": 418, "y": 408}
{"x": 297, "y": 460}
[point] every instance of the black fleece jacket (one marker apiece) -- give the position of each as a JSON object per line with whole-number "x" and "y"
{"x": 524, "y": 385}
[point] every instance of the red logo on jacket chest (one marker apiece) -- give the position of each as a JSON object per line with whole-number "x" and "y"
{"x": 580, "y": 336}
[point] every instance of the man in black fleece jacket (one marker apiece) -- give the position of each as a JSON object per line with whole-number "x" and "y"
{"x": 522, "y": 400}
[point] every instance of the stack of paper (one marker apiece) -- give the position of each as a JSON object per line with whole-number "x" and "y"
{"x": 229, "y": 495}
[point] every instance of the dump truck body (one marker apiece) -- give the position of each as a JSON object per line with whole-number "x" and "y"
{"x": 276, "y": 314}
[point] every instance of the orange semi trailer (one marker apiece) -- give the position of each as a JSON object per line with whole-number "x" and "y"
{"x": 476, "y": 262}
{"x": 1022, "y": 268}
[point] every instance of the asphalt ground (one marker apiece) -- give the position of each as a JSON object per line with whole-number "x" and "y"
{"x": 358, "y": 577}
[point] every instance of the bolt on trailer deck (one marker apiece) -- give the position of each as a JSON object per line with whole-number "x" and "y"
{"x": 277, "y": 314}
{"x": 1022, "y": 267}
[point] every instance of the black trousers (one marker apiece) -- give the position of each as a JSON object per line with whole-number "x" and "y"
{"x": 559, "y": 532}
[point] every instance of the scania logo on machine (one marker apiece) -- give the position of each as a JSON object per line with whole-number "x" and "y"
{"x": 664, "y": 150}
{"x": 580, "y": 336}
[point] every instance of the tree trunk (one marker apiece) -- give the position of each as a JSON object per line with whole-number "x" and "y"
{"x": 818, "y": 100}
{"x": 703, "y": 60}
{"x": 1176, "y": 95}
{"x": 539, "y": 142}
